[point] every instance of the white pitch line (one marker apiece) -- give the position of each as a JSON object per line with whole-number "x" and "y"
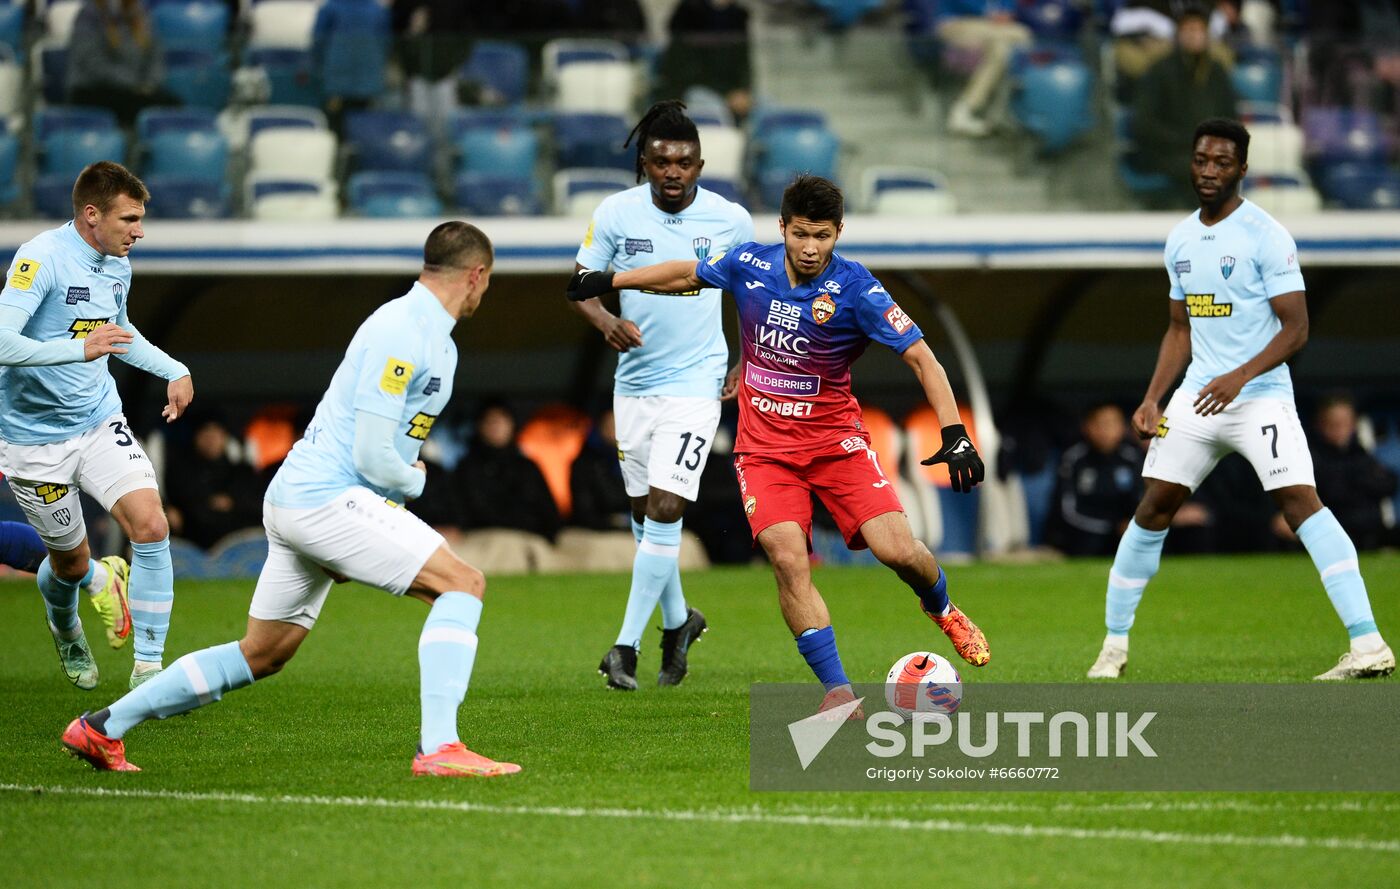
{"x": 720, "y": 816}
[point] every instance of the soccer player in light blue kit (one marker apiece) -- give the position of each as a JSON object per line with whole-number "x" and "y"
{"x": 62, "y": 312}
{"x": 332, "y": 512}
{"x": 670, "y": 371}
{"x": 1238, "y": 312}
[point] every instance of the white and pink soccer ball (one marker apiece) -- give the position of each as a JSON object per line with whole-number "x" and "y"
{"x": 923, "y": 682}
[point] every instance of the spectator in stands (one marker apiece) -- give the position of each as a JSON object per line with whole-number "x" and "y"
{"x": 1350, "y": 481}
{"x": 1099, "y": 485}
{"x": 359, "y": 29}
{"x": 990, "y": 28}
{"x": 1178, "y": 92}
{"x": 619, "y": 19}
{"x": 1353, "y": 48}
{"x": 595, "y": 481}
{"x": 114, "y": 60}
{"x": 434, "y": 39}
{"x": 710, "y": 47}
{"x": 210, "y": 494}
{"x": 497, "y": 486}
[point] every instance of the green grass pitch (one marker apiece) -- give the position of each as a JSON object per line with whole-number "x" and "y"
{"x": 304, "y": 779}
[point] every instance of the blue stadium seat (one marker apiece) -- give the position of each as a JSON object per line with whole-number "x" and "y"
{"x": 53, "y": 196}
{"x": 48, "y": 121}
{"x": 766, "y": 120}
{"x": 785, "y": 152}
{"x": 1057, "y": 21}
{"x": 9, "y": 167}
{"x": 1258, "y": 77}
{"x": 12, "y": 28}
{"x": 186, "y": 197}
{"x": 725, "y": 188}
{"x": 66, "y": 152}
{"x": 842, "y": 14}
{"x": 154, "y": 121}
{"x": 496, "y": 142}
{"x": 350, "y": 41}
{"x": 239, "y": 555}
{"x": 393, "y": 195}
{"x": 53, "y": 74}
{"x": 197, "y": 154}
{"x": 491, "y": 194}
{"x": 500, "y": 66}
{"x": 268, "y": 187}
{"x": 592, "y": 140}
{"x": 188, "y": 559}
{"x": 388, "y": 140}
{"x": 1343, "y": 135}
{"x": 1360, "y": 186}
{"x": 201, "y": 78}
{"x": 291, "y": 75}
{"x": 269, "y": 117}
{"x": 1054, "y": 98}
{"x": 196, "y": 25}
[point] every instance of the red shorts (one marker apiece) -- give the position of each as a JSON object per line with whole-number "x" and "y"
{"x": 779, "y": 488}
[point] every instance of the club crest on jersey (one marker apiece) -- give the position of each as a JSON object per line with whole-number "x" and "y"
{"x": 1227, "y": 265}
{"x": 823, "y": 307}
{"x": 702, "y": 248}
{"x": 750, "y": 505}
{"x": 117, "y": 292}
{"x": 63, "y": 516}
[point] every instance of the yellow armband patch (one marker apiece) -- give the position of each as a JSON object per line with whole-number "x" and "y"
{"x": 23, "y": 276}
{"x": 397, "y": 373}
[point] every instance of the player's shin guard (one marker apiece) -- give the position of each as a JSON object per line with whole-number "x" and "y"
{"x": 1139, "y": 554}
{"x": 60, "y": 601}
{"x": 194, "y": 680}
{"x": 20, "y": 547}
{"x": 654, "y": 568}
{"x": 151, "y": 594}
{"x": 446, "y": 653}
{"x": 1335, "y": 557}
{"x": 818, "y": 647}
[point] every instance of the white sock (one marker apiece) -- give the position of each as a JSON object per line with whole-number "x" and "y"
{"x": 1115, "y": 640}
{"x": 99, "y": 579}
{"x": 1367, "y": 642}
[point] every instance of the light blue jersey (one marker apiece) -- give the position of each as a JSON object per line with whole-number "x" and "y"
{"x": 683, "y": 350}
{"x": 1227, "y": 273}
{"x": 68, "y": 289}
{"x": 399, "y": 365}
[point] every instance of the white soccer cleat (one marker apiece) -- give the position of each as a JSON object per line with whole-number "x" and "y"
{"x": 1112, "y": 661}
{"x": 1362, "y": 665}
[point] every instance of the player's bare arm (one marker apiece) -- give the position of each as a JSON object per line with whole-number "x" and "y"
{"x": 1172, "y": 358}
{"x": 676, "y": 276}
{"x": 965, "y": 467}
{"x": 619, "y": 333}
{"x": 1292, "y": 311}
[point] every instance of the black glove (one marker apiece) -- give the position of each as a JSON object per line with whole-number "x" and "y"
{"x": 965, "y": 467}
{"x": 588, "y": 283}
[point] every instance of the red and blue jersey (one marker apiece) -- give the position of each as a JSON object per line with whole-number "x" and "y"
{"x": 799, "y": 344}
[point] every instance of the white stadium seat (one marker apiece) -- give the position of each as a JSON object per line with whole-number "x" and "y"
{"x": 578, "y": 192}
{"x": 597, "y": 87}
{"x": 723, "y": 150}
{"x": 281, "y": 24}
{"x": 315, "y": 200}
{"x": 59, "y": 19}
{"x": 295, "y": 152}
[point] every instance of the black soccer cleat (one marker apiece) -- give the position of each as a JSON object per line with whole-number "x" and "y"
{"x": 675, "y": 644}
{"x": 620, "y": 666}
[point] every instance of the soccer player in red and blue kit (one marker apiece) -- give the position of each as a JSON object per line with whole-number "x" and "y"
{"x": 806, "y": 314}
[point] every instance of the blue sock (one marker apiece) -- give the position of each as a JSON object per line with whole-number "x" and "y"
{"x": 673, "y": 610}
{"x": 1139, "y": 554}
{"x": 1335, "y": 557}
{"x": 819, "y": 648}
{"x": 152, "y": 593}
{"x": 194, "y": 680}
{"x": 637, "y": 530}
{"x": 657, "y": 555}
{"x": 446, "y": 652}
{"x": 60, "y": 601}
{"x": 20, "y": 547}
{"x": 935, "y": 598}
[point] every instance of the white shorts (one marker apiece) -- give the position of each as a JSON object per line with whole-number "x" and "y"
{"x": 106, "y": 462}
{"x": 1265, "y": 431}
{"x": 663, "y": 441}
{"x": 358, "y": 535}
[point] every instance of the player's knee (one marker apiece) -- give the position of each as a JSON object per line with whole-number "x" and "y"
{"x": 149, "y": 528}
{"x": 787, "y": 561}
{"x": 901, "y": 555}
{"x": 469, "y": 580}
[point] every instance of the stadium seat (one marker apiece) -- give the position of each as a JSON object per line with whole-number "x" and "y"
{"x": 723, "y": 150}
{"x": 553, "y": 438}
{"x": 196, "y": 25}
{"x": 765, "y": 120}
{"x": 562, "y": 52}
{"x": 491, "y": 194}
{"x": 1281, "y": 195}
{"x": 388, "y": 140}
{"x": 1053, "y": 21}
{"x": 502, "y": 68}
{"x": 392, "y": 195}
{"x": 65, "y": 152}
{"x": 9, "y": 166}
{"x": 493, "y": 142}
{"x": 294, "y": 152}
{"x": 351, "y": 46}
{"x": 907, "y": 191}
{"x": 59, "y": 18}
{"x": 187, "y": 559}
{"x": 240, "y": 554}
{"x": 1356, "y": 186}
{"x": 1258, "y": 76}
{"x": 707, "y": 107}
{"x": 53, "y": 196}
{"x": 784, "y": 152}
{"x": 592, "y": 140}
{"x": 577, "y": 192}
{"x": 1275, "y": 148}
{"x": 154, "y": 121}
{"x": 728, "y": 189}
{"x": 291, "y": 74}
{"x": 12, "y": 98}
{"x": 281, "y": 24}
{"x": 186, "y": 197}
{"x": 12, "y": 20}
{"x": 51, "y": 69}
{"x": 842, "y": 14}
{"x": 200, "y": 78}
{"x": 48, "y": 121}
{"x": 1053, "y": 98}
{"x": 603, "y": 87}
{"x": 1343, "y": 135}
{"x": 270, "y": 117}
{"x": 197, "y": 154}
{"x": 291, "y": 199}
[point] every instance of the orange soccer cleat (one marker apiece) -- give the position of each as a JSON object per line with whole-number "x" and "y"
{"x": 839, "y": 695}
{"x": 104, "y": 753}
{"x": 968, "y": 640}
{"x": 456, "y": 761}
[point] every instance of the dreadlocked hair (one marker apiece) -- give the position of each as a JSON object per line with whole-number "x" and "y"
{"x": 664, "y": 120}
